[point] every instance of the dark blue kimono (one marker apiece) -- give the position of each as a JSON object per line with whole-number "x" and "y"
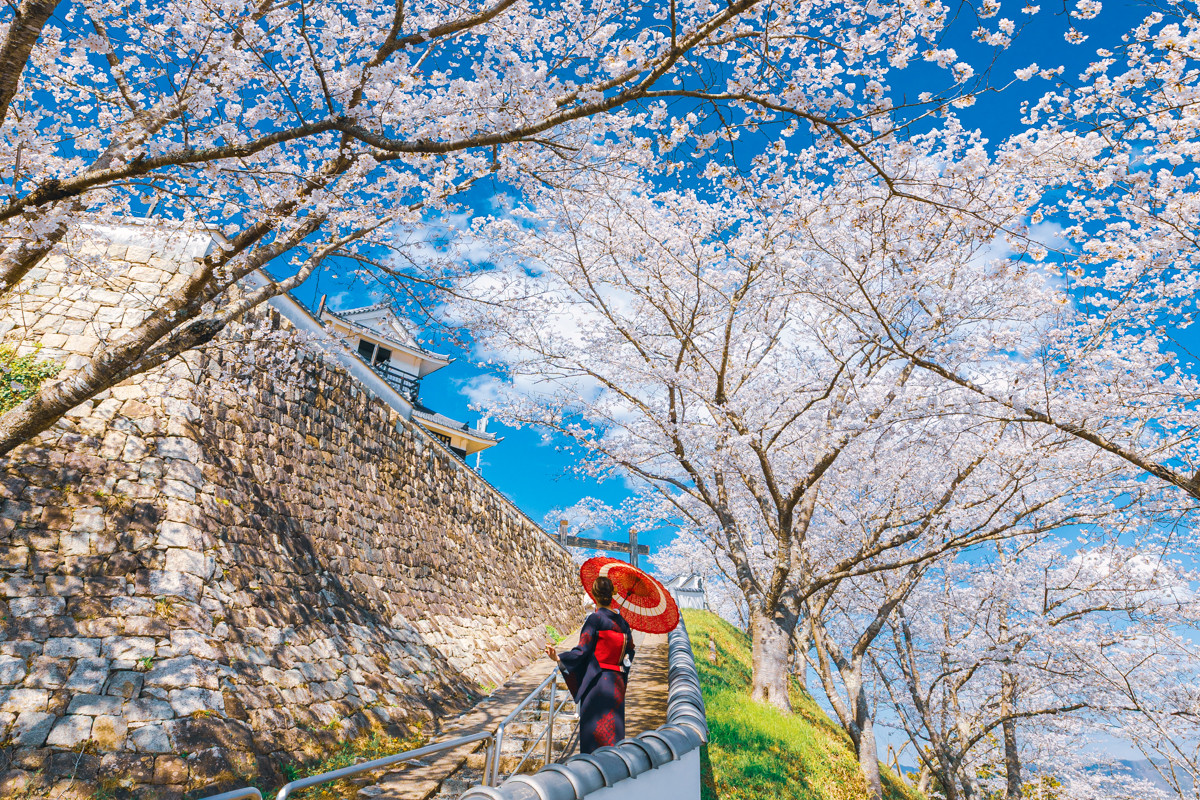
{"x": 597, "y": 670}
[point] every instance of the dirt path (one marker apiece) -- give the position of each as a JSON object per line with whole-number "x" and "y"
{"x": 646, "y": 699}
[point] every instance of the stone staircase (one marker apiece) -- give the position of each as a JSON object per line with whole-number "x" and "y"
{"x": 441, "y": 775}
{"x": 518, "y": 738}
{"x": 523, "y": 732}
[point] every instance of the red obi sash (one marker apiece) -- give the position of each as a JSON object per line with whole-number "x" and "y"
{"x": 610, "y": 649}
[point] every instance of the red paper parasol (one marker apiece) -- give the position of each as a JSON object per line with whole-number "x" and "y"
{"x": 644, "y": 602}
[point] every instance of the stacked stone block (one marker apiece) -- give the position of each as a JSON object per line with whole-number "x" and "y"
{"x": 202, "y": 579}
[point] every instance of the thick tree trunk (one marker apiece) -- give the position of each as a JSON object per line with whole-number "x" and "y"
{"x": 1012, "y": 761}
{"x": 862, "y": 729}
{"x": 946, "y": 775}
{"x": 801, "y": 644}
{"x": 1008, "y": 706}
{"x": 23, "y": 33}
{"x": 868, "y": 754}
{"x": 770, "y": 638}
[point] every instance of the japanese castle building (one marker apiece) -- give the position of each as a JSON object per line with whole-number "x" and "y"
{"x": 688, "y": 591}
{"x": 384, "y": 343}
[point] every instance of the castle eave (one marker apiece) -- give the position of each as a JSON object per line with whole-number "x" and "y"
{"x": 459, "y": 434}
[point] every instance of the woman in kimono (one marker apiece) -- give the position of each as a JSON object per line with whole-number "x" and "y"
{"x": 597, "y": 669}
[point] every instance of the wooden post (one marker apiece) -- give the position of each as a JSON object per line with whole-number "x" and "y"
{"x": 633, "y": 548}
{"x": 562, "y": 532}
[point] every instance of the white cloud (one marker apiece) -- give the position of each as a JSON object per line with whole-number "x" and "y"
{"x": 1049, "y": 235}
{"x": 338, "y": 302}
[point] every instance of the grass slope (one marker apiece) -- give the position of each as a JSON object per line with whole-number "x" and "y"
{"x": 754, "y": 751}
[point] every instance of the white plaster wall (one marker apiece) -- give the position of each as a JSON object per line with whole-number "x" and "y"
{"x": 675, "y": 780}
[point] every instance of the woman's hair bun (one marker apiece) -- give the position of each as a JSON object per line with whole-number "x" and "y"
{"x": 602, "y": 590}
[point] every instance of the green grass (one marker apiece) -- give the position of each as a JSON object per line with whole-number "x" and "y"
{"x": 756, "y": 752}
{"x": 20, "y": 376}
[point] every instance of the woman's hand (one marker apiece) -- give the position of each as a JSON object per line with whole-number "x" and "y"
{"x": 550, "y": 651}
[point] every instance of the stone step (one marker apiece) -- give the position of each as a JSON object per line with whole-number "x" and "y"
{"x": 521, "y": 747}
{"x": 544, "y": 705}
{"x": 508, "y": 761}
{"x": 477, "y": 760}
{"x": 532, "y": 727}
{"x": 458, "y": 783}
{"x": 524, "y": 743}
{"x": 527, "y": 729}
{"x": 542, "y": 716}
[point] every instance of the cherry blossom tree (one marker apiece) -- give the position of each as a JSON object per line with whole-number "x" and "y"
{"x": 1018, "y": 654}
{"x": 742, "y": 358}
{"x": 705, "y": 348}
{"x": 1095, "y": 343}
{"x": 943, "y": 484}
{"x": 660, "y": 353}
{"x": 322, "y": 128}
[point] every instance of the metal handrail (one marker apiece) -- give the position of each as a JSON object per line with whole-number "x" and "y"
{"x": 238, "y": 794}
{"x": 367, "y": 766}
{"x": 547, "y": 732}
{"x": 491, "y": 763}
{"x": 492, "y": 777}
{"x": 387, "y": 761}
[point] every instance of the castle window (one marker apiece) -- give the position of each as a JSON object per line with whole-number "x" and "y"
{"x": 372, "y": 353}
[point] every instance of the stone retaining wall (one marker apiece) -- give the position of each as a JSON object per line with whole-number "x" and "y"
{"x": 210, "y": 570}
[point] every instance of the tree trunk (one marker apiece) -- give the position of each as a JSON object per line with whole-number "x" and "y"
{"x": 801, "y": 644}
{"x": 868, "y": 755}
{"x": 854, "y": 711}
{"x": 862, "y": 731}
{"x": 23, "y": 33}
{"x": 925, "y": 781}
{"x": 946, "y": 774}
{"x": 170, "y": 330}
{"x": 770, "y": 638}
{"x": 1012, "y": 761}
{"x": 1008, "y": 706}
{"x": 1012, "y": 758}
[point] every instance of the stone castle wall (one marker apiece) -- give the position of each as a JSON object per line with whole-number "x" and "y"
{"x": 210, "y": 570}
